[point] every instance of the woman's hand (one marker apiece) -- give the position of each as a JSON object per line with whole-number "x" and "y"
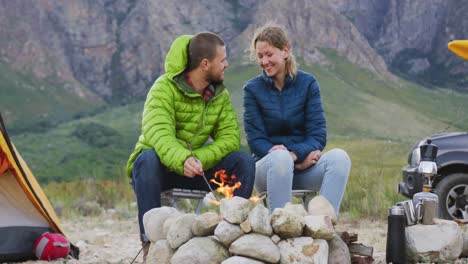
{"x": 309, "y": 161}
{"x": 276, "y": 147}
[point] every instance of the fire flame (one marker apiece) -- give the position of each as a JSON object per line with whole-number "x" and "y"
{"x": 227, "y": 185}
{"x": 224, "y": 182}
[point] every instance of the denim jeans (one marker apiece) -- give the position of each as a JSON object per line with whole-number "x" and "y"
{"x": 275, "y": 173}
{"x": 150, "y": 177}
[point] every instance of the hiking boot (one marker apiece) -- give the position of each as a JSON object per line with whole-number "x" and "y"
{"x": 145, "y": 246}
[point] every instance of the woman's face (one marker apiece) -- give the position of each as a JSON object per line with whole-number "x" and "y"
{"x": 271, "y": 59}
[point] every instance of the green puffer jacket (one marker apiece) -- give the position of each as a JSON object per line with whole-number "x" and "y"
{"x": 175, "y": 114}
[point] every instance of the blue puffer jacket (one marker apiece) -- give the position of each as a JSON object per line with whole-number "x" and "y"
{"x": 293, "y": 117}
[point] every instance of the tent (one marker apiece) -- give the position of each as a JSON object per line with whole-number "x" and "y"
{"x": 25, "y": 211}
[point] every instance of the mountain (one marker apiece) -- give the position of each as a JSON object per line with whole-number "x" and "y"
{"x": 412, "y": 36}
{"x": 113, "y": 50}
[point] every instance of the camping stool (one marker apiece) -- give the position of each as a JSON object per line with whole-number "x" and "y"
{"x": 172, "y": 195}
{"x": 305, "y": 195}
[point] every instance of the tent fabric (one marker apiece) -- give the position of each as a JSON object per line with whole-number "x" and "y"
{"x": 26, "y": 211}
{"x": 16, "y": 207}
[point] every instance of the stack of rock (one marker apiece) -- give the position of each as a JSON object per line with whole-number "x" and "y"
{"x": 244, "y": 233}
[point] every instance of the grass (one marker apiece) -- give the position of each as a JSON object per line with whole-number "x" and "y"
{"x": 28, "y": 103}
{"x": 375, "y": 173}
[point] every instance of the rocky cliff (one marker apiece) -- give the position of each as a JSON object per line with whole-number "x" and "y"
{"x": 412, "y": 36}
{"x": 114, "y": 50}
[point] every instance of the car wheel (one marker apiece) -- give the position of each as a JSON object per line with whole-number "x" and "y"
{"x": 453, "y": 196}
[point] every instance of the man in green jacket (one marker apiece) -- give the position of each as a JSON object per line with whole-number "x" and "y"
{"x": 188, "y": 107}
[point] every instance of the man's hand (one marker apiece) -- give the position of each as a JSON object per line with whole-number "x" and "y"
{"x": 192, "y": 167}
{"x": 309, "y": 161}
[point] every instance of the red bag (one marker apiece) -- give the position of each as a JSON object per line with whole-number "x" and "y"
{"x": 50, "y": 246}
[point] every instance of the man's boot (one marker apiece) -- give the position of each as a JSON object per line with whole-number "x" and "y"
{"x": 145, "y": 246}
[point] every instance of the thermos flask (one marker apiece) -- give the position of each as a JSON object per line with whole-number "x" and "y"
{"x": 396, "y": 238}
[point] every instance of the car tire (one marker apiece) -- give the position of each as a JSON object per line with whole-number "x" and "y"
{"x": 453, "y": 196}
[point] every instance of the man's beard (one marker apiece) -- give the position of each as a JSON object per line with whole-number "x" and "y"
{"x": 213, "y": 80}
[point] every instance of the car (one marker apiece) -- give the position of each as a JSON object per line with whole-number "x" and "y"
{"x": 451, "y": 181}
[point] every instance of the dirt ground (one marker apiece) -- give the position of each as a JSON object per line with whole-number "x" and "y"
{"x": 110, "y": 238}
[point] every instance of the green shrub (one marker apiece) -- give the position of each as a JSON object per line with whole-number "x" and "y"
{"x": 96, "y": 135}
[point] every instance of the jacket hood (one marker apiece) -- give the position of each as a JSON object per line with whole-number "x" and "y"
{"x": 177, "y": 57}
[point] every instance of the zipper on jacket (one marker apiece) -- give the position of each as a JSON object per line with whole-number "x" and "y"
{"x": 202, "y": 122}
{"x": 281, "y": 105}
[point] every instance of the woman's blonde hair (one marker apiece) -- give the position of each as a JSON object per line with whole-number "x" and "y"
{"x": 276, "y": 37}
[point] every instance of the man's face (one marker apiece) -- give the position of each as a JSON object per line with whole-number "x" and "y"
{"x": 217, "y": 66}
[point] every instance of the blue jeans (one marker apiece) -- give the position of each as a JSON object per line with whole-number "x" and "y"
{"x": 275, "y": 173}
{"x": 150, "y": 177}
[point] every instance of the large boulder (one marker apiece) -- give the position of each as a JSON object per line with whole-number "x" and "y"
{"x": 256, "y": 246}
{"x": 241, "y": 260}
{"x": 464, "y": 229}
{"x": 180, "y": 230}
{"x": 319, "y": 205}
{"x": 205, "y": 224}
{"x": 227, "y": 232}
{"x": 319, "y": 227}
{"x": 440, "y": 242}
{"x": 200, "y": 250}
{"x": 154, "y": 219}
{"x": 160, "y": 253}
{"x": 234, "y": 210}
{"x": 303, "y": 250}
{"x": 259, "y": 219}
{"x": 296, "y": 208}
{"x": 338, "y": 251}
{"x": 286, "y": 224}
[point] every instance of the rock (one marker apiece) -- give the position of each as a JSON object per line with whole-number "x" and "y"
{"x": 338, "y": 251}
{"x": 245, "y": 226}
{"x": 295, "y": 208}
{"x": 227, "y": 232}
{"x": 234, "y": 210}
{"x": 286, "y": 224}
{"x": 464, "y": 229}
{"x": 160, "y": 253}
{"x": 181, "y": 230}
{"x": 259, "y": 219}
{"x": 167, "y": 224}
{"x": 302, "y": 250}
{"x": 321, "y": 256}
{"x": 200, "y": 250}
{"x": 319, "y": 227}
{"x": 440, "y": 242}
{"x": 241, "y": 260}
{"x": 153, "y": 221}
{"x": 256, "y": 246}
{"x": 319, "y": 205}
{"x": 205, "y": 224}
{"x": 291, "y": 250}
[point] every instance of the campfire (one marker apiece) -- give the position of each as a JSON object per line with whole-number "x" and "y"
{"x": 227, "y": 185}
{"x": 243, "y": 232}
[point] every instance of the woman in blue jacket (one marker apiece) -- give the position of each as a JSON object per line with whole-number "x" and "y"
{"x": 286, "y": 129}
